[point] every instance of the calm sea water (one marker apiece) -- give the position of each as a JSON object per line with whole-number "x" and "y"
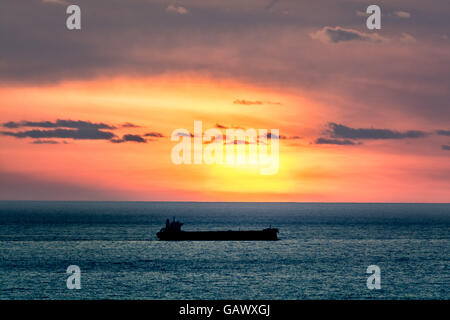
{"x": 323, "y": 253}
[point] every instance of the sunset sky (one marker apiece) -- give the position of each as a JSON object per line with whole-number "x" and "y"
{"x": 363, "y": 115}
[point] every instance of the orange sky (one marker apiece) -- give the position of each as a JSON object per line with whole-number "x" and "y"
{"x": 88, "y": 114}
{"x": 144, "y": 171}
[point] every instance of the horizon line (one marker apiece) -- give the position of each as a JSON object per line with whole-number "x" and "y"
{"x": 249, "y": 202}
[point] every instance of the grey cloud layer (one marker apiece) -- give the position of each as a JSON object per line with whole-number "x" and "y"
{"x": 341, "y": 131}
{"x": 242, "y": 40}
{"x": 443, "y": 132}
{"x": 345, "y": 142}
{"x": 81, "y": 134}
{"x": 60, "y": 124}
{"x": 339, "y": 134}
{"x": 45, "y": 142}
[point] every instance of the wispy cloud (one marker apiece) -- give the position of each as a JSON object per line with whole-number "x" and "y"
{"x": 60, "y": 2}
{"x": 130, "y": 125}
{"x": 183, "y": 134}
{"x": 402, "y": 14}
{"x": 253, "y": 102}
{"x": 270, "y": 4}
{"x": 339, "y": 34}
{"x": 246, "y": 102}
{"x": 407, "y": 38}
{"x": 177, "y": 9}
{"x": 221, "y": 126}
{"x": 360, "y": 13}
{"x": 237, "y": 141}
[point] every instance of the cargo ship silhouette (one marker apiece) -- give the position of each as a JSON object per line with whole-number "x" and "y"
{"x": 173, "y": 232}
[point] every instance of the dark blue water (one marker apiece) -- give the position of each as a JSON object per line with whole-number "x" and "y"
{"x": 323, "y": 253}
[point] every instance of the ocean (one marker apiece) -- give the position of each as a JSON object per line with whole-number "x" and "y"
{"x": 323, "y": 252}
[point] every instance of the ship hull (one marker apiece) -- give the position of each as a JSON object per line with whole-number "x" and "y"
{"x": 261, "y": 235}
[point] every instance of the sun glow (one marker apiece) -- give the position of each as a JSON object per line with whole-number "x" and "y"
{"x": 159, "y": 105}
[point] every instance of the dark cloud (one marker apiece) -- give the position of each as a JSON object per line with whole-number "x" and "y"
{"x": 130, "y": 138}
{"x": 342, "y": 131}
{"x": 11, "y": 125}
{"x": 72, "y": 129}
{"x": 443, "y": 132}
{"x": 445, "y": 147}
{"x": 79, "y": 134}
{"x": 45, "y": 142}
{"x": 154, "y": 134}
{"x": 344, "y": 142}
{"x": 134, "y": 137}
{"x": 182, "y": 134}
{"x": 270, "y": 135}
{"x": 222, "y": 126}
{"x": 58, "y": 124}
